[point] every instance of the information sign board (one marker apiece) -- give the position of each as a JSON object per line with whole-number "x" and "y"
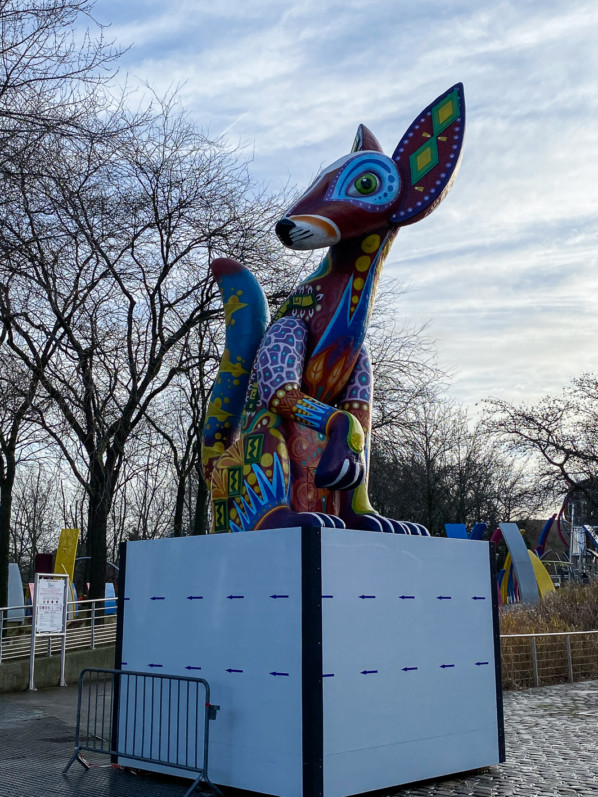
{"x": 50, "y": 600}
{"x": 49, "y": 617}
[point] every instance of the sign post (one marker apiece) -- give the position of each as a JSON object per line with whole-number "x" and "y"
{"x": 49, "y": 616}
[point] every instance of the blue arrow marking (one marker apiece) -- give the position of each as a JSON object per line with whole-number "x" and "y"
{"x": 407, "y": 597}
{"x": 189, "y": 667}
{"x": 368, "y": 672}
{"x": 480, "y": 663}
{"x": 365, "y": 597}
{"x": 478, "y": 598}
{"x": 407, "y": 669}
{"x": 328, "y": 675}
{"x": 231, "y": 670}
{"x": 444, "y": 598}
{"x": 279, "y": 673}
{"x": 444, "y": 666}
{"x": 155, "y": 665}
{"x": 278, "y": 596}
{"x": 235, "y": 597}
{"x": 156, "y": 598}
{"x": 194, "y": 597}
{"x": 328, "y": 596}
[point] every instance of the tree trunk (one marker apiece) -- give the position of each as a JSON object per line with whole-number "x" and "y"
{"x": 179, "y": 506}
{"x": 5, "y": 500}
{"x": 100, "y": 500}
{"x": 6, "y": 486}
{"x": 200, "y": 524}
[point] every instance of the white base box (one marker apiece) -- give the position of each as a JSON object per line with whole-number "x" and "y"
{"x": 342, "y": 661}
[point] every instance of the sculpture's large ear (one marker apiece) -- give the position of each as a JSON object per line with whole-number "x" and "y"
{"x": 428, "y": 156}
{"x": 365, "y": 139}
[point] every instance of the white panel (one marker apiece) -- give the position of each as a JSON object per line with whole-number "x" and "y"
{"x": 256, "y": 740}
{"x": 401, "y": 608}
{"x": 15, "y": 594}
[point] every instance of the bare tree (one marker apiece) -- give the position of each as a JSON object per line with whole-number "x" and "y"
{"x": 54, "y": 67}
{"x": 35, "y": 517}
{"x": 442, "y": 469}
{"x": 18, "y": 438}
{"x": 404, "y": 364}
{"x": 52, "y": 70}
{"x": 559, "y": 433}
{"x": 178, "y": 419}
{"x": 107, "y": 250}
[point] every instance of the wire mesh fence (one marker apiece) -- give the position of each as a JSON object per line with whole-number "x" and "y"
{"x": 545, "y": 659}
{"x": 527, "y": 659}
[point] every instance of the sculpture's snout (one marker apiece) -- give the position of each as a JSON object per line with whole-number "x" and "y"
{"x": 283, "y": 230}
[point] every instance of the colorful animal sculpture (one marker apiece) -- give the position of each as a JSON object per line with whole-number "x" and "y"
{"x": 287, "y": 431}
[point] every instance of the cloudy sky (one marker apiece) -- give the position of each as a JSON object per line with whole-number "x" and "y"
{"x": 505, "y": 269}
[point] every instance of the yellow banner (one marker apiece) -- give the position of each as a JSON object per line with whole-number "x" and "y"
{"x": 67, "y": 552}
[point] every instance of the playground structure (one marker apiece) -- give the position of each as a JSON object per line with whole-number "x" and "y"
{"x": 578, "y": 532}
{"x": 526, "y": 581}
{"x": 523, "y": 577}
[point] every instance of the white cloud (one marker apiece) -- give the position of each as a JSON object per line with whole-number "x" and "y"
{"x": 506, "y": 267}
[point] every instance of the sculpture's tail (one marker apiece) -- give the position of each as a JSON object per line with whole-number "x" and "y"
{"x": 247, "y": 316}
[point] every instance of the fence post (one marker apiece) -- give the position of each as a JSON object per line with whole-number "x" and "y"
{"x": 569, "y": 659}
{"x": 535, "y": 662}
{"x": 93, "y": 625}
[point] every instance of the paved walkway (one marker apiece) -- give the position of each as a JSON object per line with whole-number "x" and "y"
{"x": 551, "y": 735}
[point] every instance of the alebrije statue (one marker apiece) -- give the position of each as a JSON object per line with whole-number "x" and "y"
{"x": 287, "y": 431}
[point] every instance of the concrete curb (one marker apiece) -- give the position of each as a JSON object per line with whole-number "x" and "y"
{"x": 14, "y": 675}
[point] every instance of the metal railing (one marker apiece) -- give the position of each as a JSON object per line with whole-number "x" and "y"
{"x": 552, "y": 658}
{"x": 90, "y": 623}
{"x": 527, "y": 659}
{"x": 149, "y": 718}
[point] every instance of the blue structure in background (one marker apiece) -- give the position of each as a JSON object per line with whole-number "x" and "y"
{"x": 458, "y": 531}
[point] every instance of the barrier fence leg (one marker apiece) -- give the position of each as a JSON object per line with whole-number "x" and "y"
{"x": 202, "y": 779}
{"x": 77, "y": 754}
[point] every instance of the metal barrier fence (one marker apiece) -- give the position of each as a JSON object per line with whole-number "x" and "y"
{"x": 90, "y": 623}
{"x": 544, "y": 659}
{"x": 138, "y": 717}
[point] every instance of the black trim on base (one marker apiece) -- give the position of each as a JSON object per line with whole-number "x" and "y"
{"x": 311, "y": 653}
{"x": 497, "y": 662}
{"x": 118, "y": 653}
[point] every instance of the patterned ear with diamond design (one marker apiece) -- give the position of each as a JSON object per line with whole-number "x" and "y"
{"x": 428, "y": 156}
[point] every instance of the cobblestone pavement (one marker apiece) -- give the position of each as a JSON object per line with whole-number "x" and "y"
{"x": 551, "y": 739}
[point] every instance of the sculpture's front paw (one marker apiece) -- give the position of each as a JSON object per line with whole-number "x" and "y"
{"x": 407, "y": 527}
{"x": 283, "y": 517}
{"x": 342, "y": 465}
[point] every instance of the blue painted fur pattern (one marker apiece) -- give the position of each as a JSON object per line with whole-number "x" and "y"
{"x": 247, "y": 316}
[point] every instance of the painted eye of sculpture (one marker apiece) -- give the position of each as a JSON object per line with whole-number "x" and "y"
{"x": 364, "y": 185}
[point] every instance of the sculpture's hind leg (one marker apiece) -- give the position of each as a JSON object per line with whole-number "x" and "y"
{"x": 251, "y": 482}
{"x": 355, "y": 508}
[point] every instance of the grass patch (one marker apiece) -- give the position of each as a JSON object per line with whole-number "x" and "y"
{"x": 574, "y": 607}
